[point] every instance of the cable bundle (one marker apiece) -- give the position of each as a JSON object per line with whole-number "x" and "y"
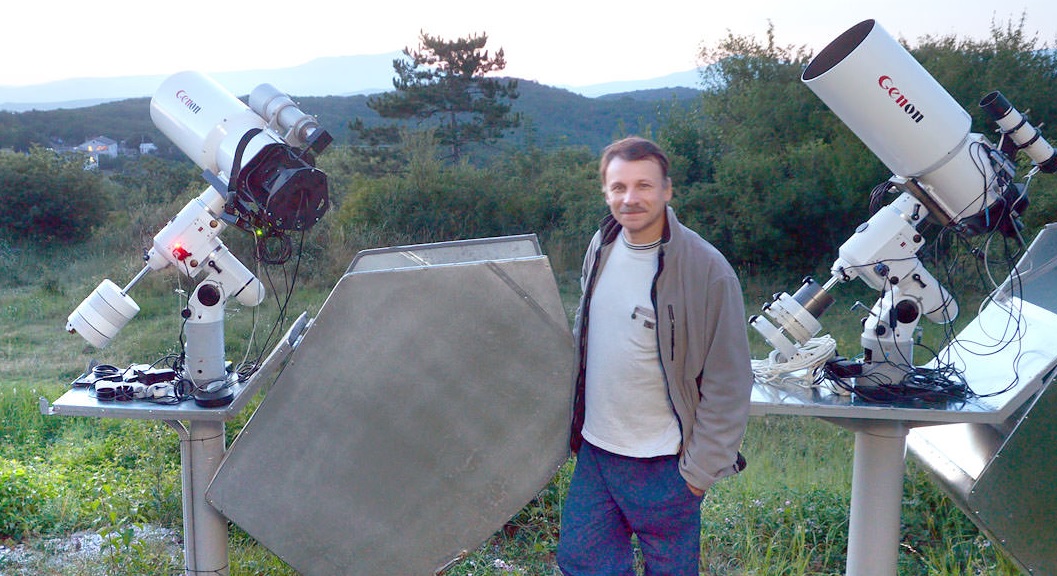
{"x": 800, "y": 369}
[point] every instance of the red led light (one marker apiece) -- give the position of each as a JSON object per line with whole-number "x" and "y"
{"x": 179, "y": 252}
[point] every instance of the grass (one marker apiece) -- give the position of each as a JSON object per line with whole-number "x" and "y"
{"x": 786, "y": 514}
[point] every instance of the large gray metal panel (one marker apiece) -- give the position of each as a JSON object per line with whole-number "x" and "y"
{"x": 453, "y": 252}
{"x": 1014, "y": 500}
{"x": 1036, "y": 274}
{"x": 1001, "y": 474}
{"x": 422, "y": 409}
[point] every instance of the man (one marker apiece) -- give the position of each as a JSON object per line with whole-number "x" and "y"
{"x": 664, "y": 379}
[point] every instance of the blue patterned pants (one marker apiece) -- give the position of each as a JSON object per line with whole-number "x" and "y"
{"x": 612, "y": 497}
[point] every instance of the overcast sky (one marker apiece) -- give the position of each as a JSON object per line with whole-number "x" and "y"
{"x": 566, "y": 42}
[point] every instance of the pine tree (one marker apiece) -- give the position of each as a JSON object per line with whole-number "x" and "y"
{"x": 445, "y": 81}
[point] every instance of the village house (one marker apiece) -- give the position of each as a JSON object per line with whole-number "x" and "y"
{"x": 98, "y": 146}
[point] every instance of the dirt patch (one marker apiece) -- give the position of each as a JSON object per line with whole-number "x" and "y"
{"x": 81, "y": 553}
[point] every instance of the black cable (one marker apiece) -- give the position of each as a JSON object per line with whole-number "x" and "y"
{"x": 246, "y": 369}
{"x": 943, "y": 382}
{"x": 877, "y": 195}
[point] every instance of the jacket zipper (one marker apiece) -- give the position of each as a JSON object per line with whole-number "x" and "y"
{"x": 671, "y": 324}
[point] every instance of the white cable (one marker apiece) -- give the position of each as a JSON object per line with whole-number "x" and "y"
{"x": 799, "y": 369}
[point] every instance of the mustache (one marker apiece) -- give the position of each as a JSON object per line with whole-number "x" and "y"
{"x": 632, "y": 209}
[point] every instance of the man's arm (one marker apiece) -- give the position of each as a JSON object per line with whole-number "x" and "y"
{"x": 725, "y": 387}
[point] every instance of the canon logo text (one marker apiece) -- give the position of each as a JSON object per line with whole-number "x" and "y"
{"x": 186, "y": 100}
{"x": 886, "y": 84}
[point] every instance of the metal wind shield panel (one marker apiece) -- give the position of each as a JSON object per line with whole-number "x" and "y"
{"x": 424, "y": 406}
{"x": 1002, "y": 475}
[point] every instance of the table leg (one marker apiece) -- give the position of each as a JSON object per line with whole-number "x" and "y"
{"x": 205, "y": 529}
{"x": 876, "y": 499}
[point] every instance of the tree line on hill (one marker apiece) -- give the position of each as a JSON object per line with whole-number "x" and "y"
{"x": 558, "y": 118}
{"x": 761, "y": 167}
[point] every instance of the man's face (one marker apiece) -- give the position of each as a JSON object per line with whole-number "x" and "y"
{"x": 637, "y": 194}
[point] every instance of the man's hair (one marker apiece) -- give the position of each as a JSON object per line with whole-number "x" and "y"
{"x": 631, "y": 149}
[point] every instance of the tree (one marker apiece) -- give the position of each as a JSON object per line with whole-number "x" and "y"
{"x": 777, "y": 180}
{"x": 1012, "y": 60}
{"x": 769, "y": 175}
{"x": 49, "y": 198}
{"x": 445, "y": 81}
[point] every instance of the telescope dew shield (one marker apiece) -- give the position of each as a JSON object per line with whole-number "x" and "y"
{"x": 205, "y": 121}
{"x": 911, "y": 124}
{"x": 888, "y": 100}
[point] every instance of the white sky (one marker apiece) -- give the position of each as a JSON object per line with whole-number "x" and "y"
{"x": 566, "y": 42}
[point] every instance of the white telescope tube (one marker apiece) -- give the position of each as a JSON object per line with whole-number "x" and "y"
{"x": 206, "y": 122}
{"x": 1027, "y": 137}
{"x": 283, "y": 115}
{"x": 904, "y": 117}
{"x": 888, "y": 100}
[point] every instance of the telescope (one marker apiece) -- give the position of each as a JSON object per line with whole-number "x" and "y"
{"x": 259, "y": 163}
{"x": 943, "y": 173}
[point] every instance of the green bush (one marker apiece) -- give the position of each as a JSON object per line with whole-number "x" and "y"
{"x": 24, "y": 494}
{"x": 554, "y": 195}
{"x": 49, "y": 198}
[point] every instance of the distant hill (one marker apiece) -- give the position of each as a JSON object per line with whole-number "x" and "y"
{"x": 562, "y": 117}
{"x": 557, "y": 116}
{"x": 340, "y": 76}
{"x": 687, "y": 79}
{"x": 332, "y": 76}
{"x": 655, "y": 94}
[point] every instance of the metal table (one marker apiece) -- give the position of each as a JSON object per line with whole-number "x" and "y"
{"x": 201, "y": 448}
{"x": 1014, "y": 374}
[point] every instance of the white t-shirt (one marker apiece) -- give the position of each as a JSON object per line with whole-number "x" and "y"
{"x": 627, "y": 407}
